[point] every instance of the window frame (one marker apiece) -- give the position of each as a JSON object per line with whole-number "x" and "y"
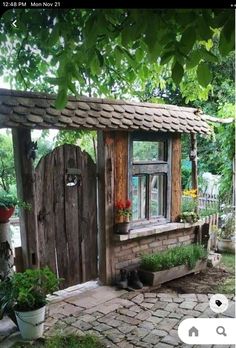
{"x": 151, "y": 168}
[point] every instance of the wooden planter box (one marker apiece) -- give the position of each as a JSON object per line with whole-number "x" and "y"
{"x": 157, "y": 278}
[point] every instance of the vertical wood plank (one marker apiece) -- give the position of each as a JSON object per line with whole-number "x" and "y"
{"x": 25, "y": 179}
{"x": 71, "y": 219}
{"x": 121, "y": 165}
{"x": 59, "y": 215}
{"x": 45, "y": 212}
{"x": 106, "y": 203}
{"x": 88, "y": 216}
{"x": 176, "y": 178}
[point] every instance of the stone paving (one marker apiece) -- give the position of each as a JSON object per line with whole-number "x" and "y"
{"x": 127, "y": 319}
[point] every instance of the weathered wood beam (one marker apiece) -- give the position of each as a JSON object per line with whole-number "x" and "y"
{"x": 176, "y": 178}
{"x": 105, "y": 169}
{"x": 218, "y": 120}
{"x": 26, "y": 192}
{"x": 193, "y": 158}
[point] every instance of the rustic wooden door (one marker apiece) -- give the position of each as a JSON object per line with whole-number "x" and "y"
{"x": 66, "y": 214}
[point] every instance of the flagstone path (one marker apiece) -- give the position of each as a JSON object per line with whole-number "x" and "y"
{"x": 126, "y": 319}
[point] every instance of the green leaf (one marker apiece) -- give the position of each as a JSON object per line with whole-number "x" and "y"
{"x": 94, "y": 65}
{"x": 193, "y": 59}
{"x": 220, "y": 19}
{"x": 204, "y": 75}
{"x": 204, "y": 30}
{"x": 55, "y": 80}
{"x": 228, "y": 29}
{"x": 166, "y": 57}
{"x": 226, "y": 46}
{"x": 54, "y": 36}
{"x": 177, "y": 73}
{"x": 187, "y": 40}
{"x": 155, "y": 52}
{"x": 72, "y": 88}
{"x": 207, "y": 55}
{"x": 61, "y": 99}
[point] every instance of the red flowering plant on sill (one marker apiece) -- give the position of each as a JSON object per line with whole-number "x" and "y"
{"x": 123, "y": 210}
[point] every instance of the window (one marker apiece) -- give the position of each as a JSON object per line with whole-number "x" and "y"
{"x": 149, "y": 181}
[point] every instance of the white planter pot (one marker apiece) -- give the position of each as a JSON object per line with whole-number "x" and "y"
{"x": 31, "y": 323}
{"x": 226, "y": 245}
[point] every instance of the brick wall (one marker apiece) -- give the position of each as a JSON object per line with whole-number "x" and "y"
{"x": 128, "y": 253}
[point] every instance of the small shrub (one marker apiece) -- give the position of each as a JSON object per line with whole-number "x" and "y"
{"x": 181, "y": 255}
{"x": 68, "y": 341}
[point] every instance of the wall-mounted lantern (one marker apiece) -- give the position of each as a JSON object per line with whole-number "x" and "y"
{"x": 31, "y": 148}
{"x": 73, "y": 177}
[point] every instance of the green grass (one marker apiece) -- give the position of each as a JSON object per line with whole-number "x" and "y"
{"x": 181, "y": 255}
{"x": 228, "y": 287}
{"x": 70, "y": 341}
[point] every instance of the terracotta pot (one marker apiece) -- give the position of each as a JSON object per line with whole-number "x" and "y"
{"x": 119, "y": 219}
{"x": 122, "y": 228}
{"x": 5, "y": 214}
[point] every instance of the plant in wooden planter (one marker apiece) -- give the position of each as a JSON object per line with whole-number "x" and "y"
{"x": 123, "y": 214}
{"x": 25, "y": 295}
{"x": 173, "y": 263}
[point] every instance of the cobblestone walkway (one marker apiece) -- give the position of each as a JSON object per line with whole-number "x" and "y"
{"x": 129, "y": 319}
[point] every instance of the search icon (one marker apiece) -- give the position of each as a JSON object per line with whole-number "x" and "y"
{"x": 221, "y": 331}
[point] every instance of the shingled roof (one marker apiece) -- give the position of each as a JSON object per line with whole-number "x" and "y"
{"x": 37, "y": 111}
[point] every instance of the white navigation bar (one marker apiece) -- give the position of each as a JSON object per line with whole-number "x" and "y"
{"x": 208, "y": 331}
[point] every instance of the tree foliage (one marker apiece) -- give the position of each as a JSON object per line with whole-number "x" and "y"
{"x": 7, "y": 171}
{"x": 112, "y": 52}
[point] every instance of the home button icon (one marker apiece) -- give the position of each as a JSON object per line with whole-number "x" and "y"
{"x": 193, "y": 332}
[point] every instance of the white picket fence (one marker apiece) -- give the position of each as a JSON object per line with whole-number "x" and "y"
{"x": 208, "y": 201}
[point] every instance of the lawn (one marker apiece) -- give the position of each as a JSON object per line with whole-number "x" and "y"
{"x": 71, "y": 341}
{"x": 228, "y": 286}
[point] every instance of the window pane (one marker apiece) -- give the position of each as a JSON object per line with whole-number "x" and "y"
{"x": 157, "y": 206}
{"x": 148, "y": 151}
{"x": 138, "y": 197}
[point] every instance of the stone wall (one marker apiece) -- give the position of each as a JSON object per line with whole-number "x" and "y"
{"x": 127, "y": 253}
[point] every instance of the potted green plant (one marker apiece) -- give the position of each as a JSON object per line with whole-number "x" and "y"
{"x": 158, "y": 268}
{"x": 225, "y": 234}
{"x": 189, "y": 207}
{"x": 189, "y": 216}
{"x": 26, "y": 293}
{"x": 123, "y": 214}
{"x": 8, "y": 201}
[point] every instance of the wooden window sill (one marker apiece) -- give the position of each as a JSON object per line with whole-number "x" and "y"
{"x": 153, "y": 230}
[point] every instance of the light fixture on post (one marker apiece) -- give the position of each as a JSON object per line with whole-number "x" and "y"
{"x": 73, "y": 177}
{"x": 31, "y": 148}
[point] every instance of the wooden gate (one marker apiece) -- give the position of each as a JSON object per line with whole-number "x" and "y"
{"x": 66, "y": 213}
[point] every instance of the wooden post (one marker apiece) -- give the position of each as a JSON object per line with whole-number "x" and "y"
{"x": 193, "y": 158}
{"x": 26, "y": 192}
{"x": 106, "y": 204}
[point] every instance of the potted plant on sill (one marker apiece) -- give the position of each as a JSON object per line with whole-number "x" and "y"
{"x": 161, "y": 267}
{"x": 123, "y": 214}
{"x": 189, "y": 207}
{"x": 26, "y": 294}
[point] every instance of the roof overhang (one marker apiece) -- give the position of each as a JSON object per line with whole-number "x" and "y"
{"x": 37, "y": 111}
